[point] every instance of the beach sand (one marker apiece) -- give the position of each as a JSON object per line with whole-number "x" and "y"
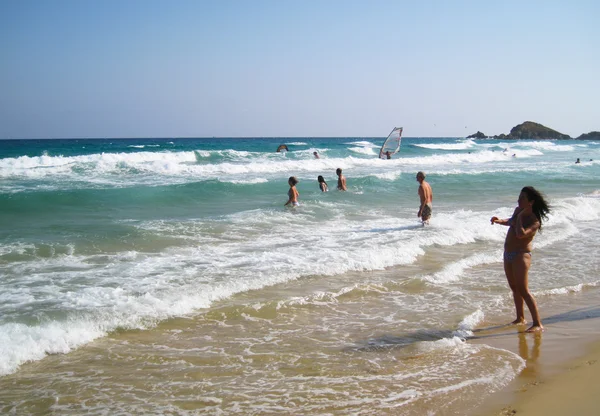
{"x": 562, "y": 374}
{"x": 572, "y": 391}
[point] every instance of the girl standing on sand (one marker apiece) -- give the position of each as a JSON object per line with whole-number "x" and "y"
{"x": 293, "y": 192}
{"x": 524, "y": 223}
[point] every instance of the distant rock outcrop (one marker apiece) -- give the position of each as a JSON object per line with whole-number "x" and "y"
{"x": 531, "y": 130}
{"x": 478, "y": 135}
{"x": 592, "y": 135}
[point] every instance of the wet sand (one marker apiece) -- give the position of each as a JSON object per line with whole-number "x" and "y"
{"x": 562, "y": 371}
{"x": 574, "y": 390}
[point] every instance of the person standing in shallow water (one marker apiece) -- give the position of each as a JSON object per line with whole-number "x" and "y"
{"x": 426, "y": 197}
{"x": 322, "y": 184}
{"x": 293, "y": 193}
{"x": 341, "y": 185}
{"x": 523, "y": 225}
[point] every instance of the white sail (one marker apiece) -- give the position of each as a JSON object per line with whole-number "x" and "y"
{"x": 391, "y": 144}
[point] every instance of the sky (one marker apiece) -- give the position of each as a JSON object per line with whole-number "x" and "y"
{"x": 296, "y": 68}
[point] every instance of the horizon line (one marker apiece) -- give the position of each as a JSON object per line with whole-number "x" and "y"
{"x": 224, "y": 137}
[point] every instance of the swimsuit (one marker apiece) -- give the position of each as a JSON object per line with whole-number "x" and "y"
{"x": 426, "y": 211}
{"x": 294, "y": 203}
{"x": 510, "y": 256}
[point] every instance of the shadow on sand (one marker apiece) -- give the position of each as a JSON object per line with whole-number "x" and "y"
{"x": 402, "y": 341}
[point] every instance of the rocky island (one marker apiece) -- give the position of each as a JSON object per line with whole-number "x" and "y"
{"x": 531, "y": 130}
{"x": 592, "y": 135}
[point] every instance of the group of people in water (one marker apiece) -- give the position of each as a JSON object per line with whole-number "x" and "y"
{"x": 293, "y": 192}
{"x": 425, "y": 192}
{"x": 523, "y": 225}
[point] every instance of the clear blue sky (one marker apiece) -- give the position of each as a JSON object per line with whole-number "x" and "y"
{"x": 229, "y": 68}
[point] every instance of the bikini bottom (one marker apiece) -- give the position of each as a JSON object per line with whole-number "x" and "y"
{"x": 510, "y": 256}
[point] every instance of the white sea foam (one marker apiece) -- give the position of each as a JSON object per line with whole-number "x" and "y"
{"x": 468, "y": 324}
{"x": 166, "y": 167}
{"x": 389, "y": 176}
{"x": 136, "y": 290}
{"x": 544, "y": 145}
{"x": 364, "y": 143}
{"x": 364, "y": 151}
{"x": 567, "y": 289}
{"x": 249, "y": 181}
{"x": 453, "y": 271}
{"x": 463, "y": 145}
{"x": 20, "y": 343}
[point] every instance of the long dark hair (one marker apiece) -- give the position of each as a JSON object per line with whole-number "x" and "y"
{"x": 540, "y": 207}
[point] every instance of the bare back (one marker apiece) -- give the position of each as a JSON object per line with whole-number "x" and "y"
{"x": 341, "y": 183}
{"x": 425, "y": 193}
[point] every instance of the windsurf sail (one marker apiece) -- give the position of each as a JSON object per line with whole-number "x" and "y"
{"x": 391, "y": 144}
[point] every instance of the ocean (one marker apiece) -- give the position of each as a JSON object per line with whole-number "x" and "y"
{"x": 165, "y": 276}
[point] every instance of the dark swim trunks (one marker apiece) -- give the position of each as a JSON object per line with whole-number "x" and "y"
{"x": 426, "y": 211}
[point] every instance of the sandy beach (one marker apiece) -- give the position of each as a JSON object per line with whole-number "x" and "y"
{"x": 562, "y": 369}
{"x": 573, "y": 390}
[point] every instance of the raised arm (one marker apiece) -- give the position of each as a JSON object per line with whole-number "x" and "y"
{"x": 507, "y": 221}
{"x": 522, "y": 232}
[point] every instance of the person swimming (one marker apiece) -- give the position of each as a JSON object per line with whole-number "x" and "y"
{"x": 322, "y": 184}
{"x": 293, "y": 193}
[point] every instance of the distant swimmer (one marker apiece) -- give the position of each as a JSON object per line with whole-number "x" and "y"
{"x": 293, "y": 193}
{"x": 426, "y": 197}
{"x": 523, "y": 225}
{"x": 283, "y": 147}
{"x": 316, "y": 155}
{"x": 341, "y": 185}
{"x": 577, "y": 161}
{"x": 322, "y": 184}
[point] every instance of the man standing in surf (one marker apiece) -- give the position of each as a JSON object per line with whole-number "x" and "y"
{"x": 426, "y": 196}
{"x": 523, "y": 225}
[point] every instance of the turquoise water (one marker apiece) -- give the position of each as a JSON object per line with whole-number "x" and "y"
{"x": 101, "y": 237}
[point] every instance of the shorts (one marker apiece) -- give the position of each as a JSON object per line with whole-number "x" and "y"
{"x": 426, "y": 211}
